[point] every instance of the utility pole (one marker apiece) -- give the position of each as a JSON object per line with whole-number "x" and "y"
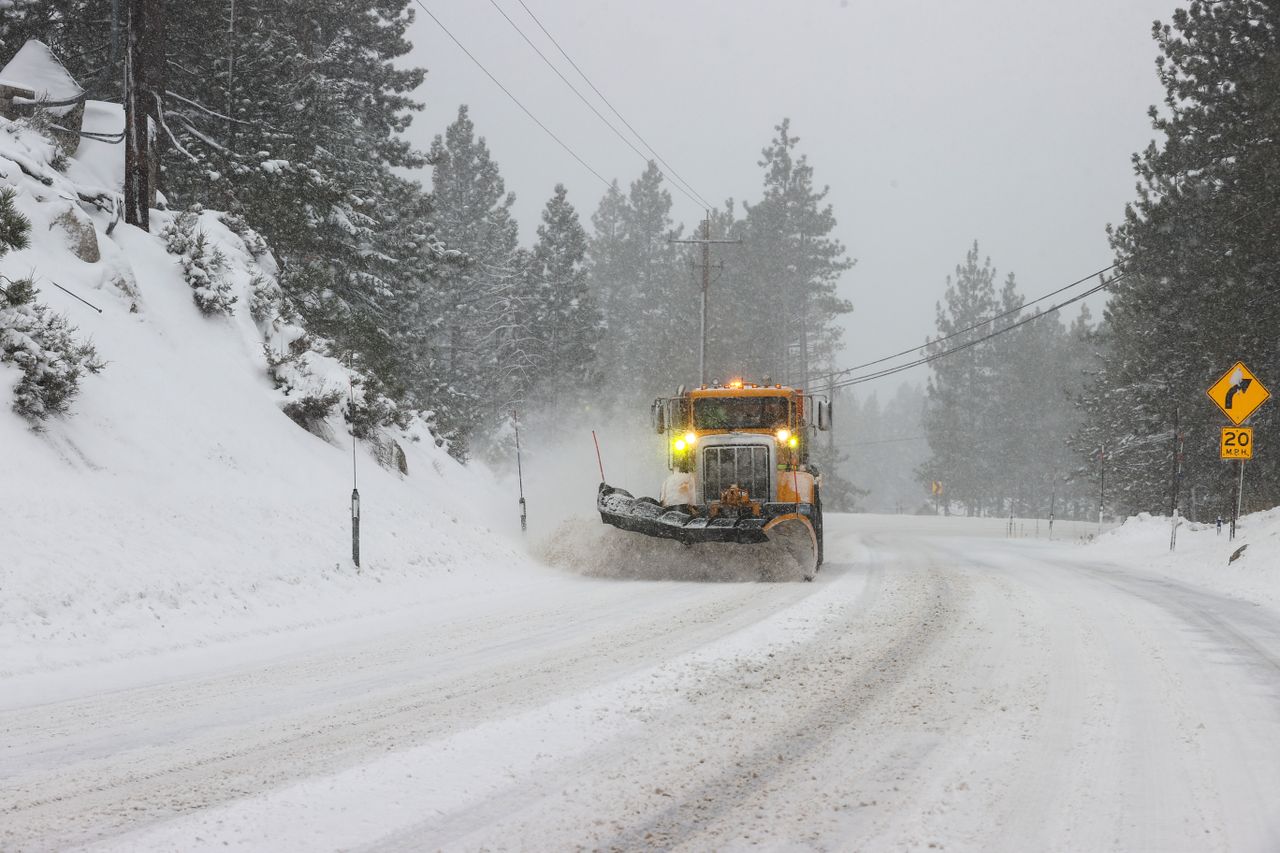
{"x": 831, "y": 421}
{"x": 705, "y": 242}
{"x": 801, "y": 270}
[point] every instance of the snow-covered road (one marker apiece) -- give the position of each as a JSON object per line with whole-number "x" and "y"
{"x": 931, "y": 690}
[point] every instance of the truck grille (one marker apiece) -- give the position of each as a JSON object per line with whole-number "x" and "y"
{"x": 746, "y": 466}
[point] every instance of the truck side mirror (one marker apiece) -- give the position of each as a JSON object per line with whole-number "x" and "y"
{"x": 657, "y": 413}
{"x": 824, "y": 415}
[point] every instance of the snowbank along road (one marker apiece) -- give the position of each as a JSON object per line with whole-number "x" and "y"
{"x": 933, "y": 689}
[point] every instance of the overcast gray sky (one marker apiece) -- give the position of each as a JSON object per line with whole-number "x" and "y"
{"x": 934, "y": 123}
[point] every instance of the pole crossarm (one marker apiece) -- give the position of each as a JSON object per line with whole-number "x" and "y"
{"x": 704, "y": 241}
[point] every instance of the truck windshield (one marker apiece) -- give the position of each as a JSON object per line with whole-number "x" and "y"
{"x": 740, "y": 413}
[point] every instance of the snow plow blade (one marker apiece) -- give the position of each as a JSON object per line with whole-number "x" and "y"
{"x": 788, "y": 526}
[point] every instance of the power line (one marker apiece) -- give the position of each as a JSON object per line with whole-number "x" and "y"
{"x": 612, "y": 108}
{"x": 889, "y": 371}
{"x": 513, "y": 98}
{"x": 967, "y": 329}
{"x": 685, "y": 189}
{"x": 1104, "y": 283}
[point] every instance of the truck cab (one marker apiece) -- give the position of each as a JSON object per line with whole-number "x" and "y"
{"x": 752, "y": 439}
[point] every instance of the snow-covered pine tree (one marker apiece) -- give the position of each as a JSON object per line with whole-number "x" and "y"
{"x": 796, "y": 265}
{"x": 485, "y": 338}
{"x": 606, "y": 270}
{"x": 566, "y": 323}
{"x": 290, "y": 115}
{"x": 1200, "y": 260}
{"x": 648, "y": 300}
{"x": 999, "y": 414}
{"x": 960, "y": 388}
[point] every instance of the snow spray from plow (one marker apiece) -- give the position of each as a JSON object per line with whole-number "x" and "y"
{"x": 586, "y": 547}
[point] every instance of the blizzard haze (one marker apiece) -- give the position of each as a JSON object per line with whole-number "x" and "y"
{"x": 933, "y": 123}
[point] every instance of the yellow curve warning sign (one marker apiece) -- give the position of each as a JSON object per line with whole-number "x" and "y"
{"x": 1237, "y": 442}
{"x": 1238, "y": 393}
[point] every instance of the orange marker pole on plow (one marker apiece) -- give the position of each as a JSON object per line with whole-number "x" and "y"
{"x": 598, "y": 462}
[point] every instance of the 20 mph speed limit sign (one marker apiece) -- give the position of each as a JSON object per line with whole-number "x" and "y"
{"x": 1237, "y": 442}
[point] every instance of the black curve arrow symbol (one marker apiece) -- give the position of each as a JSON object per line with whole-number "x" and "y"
{"x": 1240, "y": 387}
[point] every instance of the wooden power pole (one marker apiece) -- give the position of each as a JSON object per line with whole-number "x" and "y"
{"x": 705, "y": 241}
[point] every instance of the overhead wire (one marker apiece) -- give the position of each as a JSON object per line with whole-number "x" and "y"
{"x": 513, "y": 98}
{"x": 966, "y": 329}
{"x": 889, "y": 371}
{"x": 680, "y": 184}
{"x": 1104, "y": 284}
{"x": 669, "y": 168}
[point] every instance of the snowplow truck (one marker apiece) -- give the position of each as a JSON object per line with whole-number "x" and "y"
{"x": 740, "y": 473}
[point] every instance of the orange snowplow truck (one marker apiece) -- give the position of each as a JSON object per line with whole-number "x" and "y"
{"x": 740, "y": 473}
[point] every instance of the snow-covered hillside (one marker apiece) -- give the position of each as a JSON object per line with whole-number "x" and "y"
{"x": 177, "y": 503}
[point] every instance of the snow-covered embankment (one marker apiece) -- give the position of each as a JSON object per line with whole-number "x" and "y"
{"x": 177, "y": 503}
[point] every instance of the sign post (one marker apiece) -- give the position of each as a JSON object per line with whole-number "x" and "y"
{"x": 1237, "y": 394}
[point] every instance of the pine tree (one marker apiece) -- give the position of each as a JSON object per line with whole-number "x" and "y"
{"x": 1199, "y": 262}
{"x": 795, "y": 267}
{"x": 290, "y": 115}
{"x": 648, "y": 303}
{"x": 565, "y": 321}
{"x": 486, "y": 338}
{"x": 961, "y": 387}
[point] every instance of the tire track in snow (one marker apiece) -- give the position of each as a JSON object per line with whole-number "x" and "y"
{"x": 91, "y": 768}
{"x": 696, "y": 761}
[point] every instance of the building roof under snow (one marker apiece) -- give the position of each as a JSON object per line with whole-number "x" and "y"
{"x": 34, "y": 70}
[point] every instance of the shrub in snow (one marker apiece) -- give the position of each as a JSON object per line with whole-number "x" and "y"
{"x": 40, "y": 343}
{"x": 253, "y": 241}
{"x": 312, "y": 410}
{"x": 372, "y": 412}
{"x": 266, "y": 300}
{"x": 202, "y": 266}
